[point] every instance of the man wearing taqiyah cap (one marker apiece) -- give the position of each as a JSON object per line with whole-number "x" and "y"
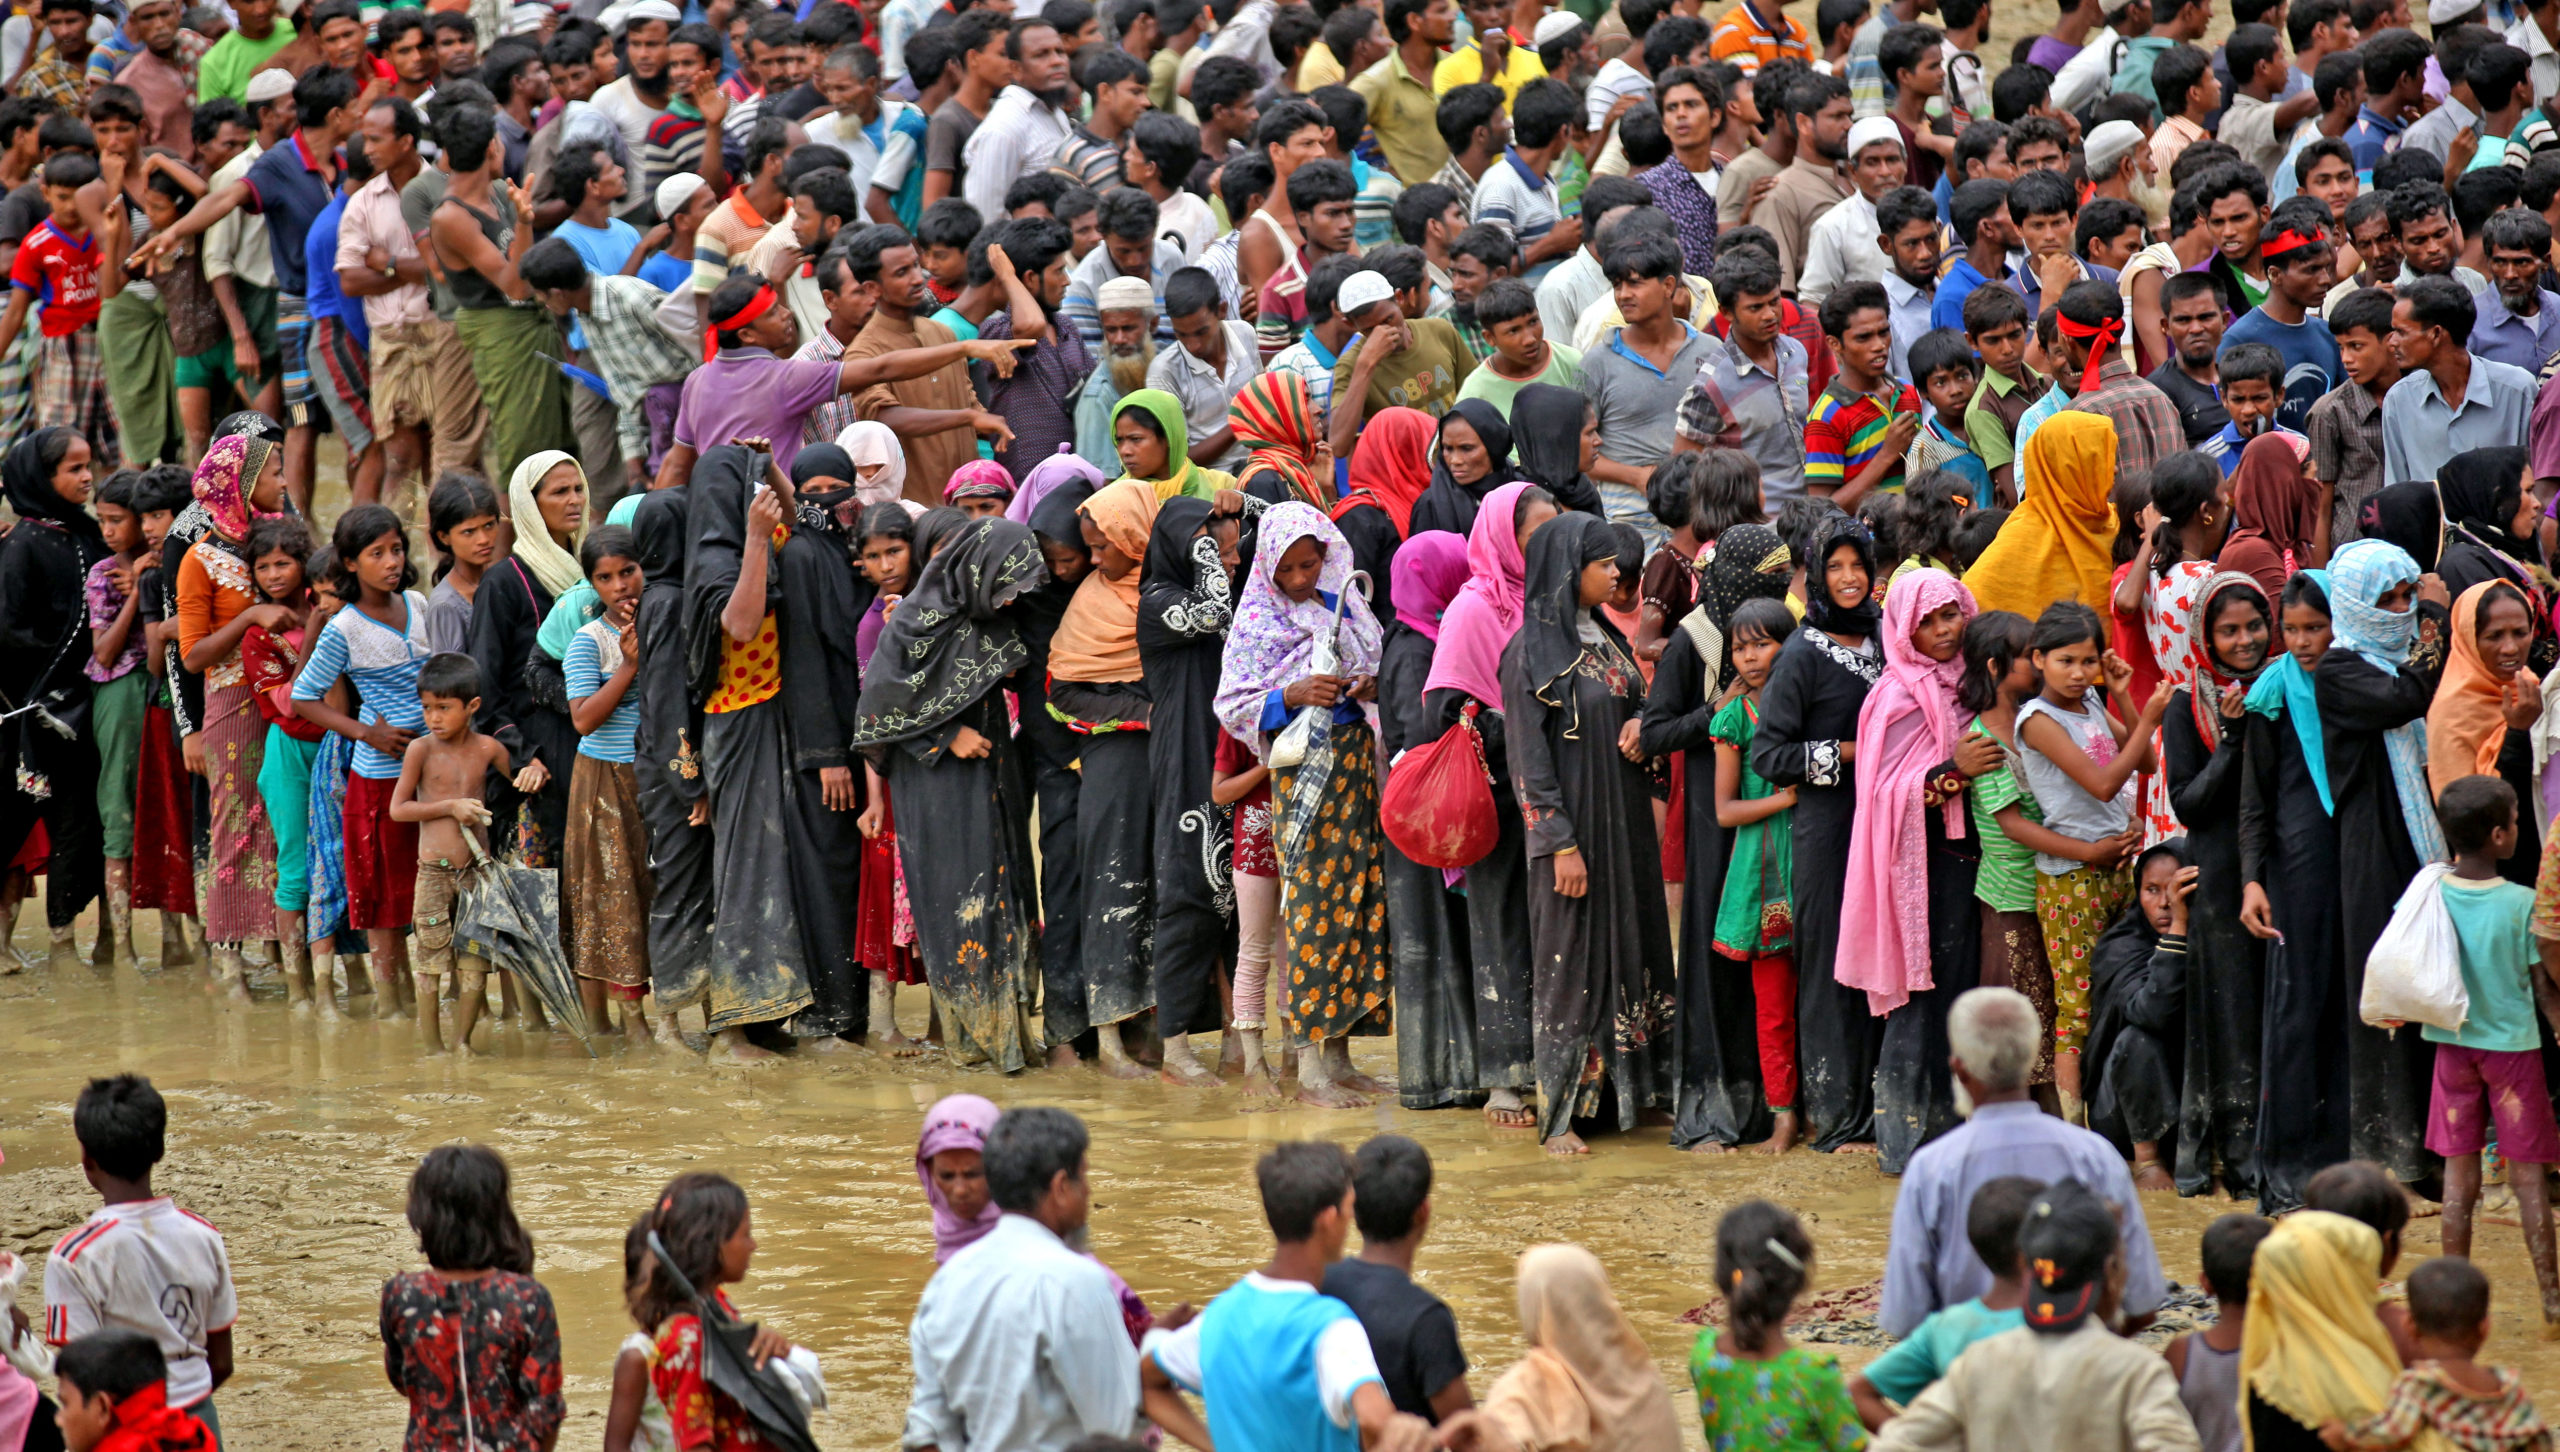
{"x": 1127, "y": 308}
{"x": 638, "y": 97}
{"x": 1842, "y": 247}
{"x": 2116, "y": 158}
{"x": 1402, "y": 358}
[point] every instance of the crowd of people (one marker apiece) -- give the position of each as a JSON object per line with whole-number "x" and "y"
{"x": 2020, "y": 1268}
{"x": 1642, "y": 578}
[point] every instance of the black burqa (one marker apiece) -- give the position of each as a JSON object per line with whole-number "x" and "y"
{"x": 1053, "y": 750}
{"x": 2289, "y": 849}
{"x": 2139, "y": 989}
{"x": 1446, "y": 504}
{"x": 1721, "y": 1097}
{"x": 2226, "y": 991}
{"x": 44, "y": 642}
{"x": 776, "y": 888}
{"x": 2481, "y": 491}
{"x": 524, "y": 702}
{"x": 1546, "y": 424}
{"x": 1602, "y": 961}
{"x": 1435, "y": 1015}
{"x": 1808, "y": 710}
{"x": 964, "y": 826}
{"x": 1185, "y": 600}
{"x": 667, "y": 760}
{"x": 2388, "y": 1074}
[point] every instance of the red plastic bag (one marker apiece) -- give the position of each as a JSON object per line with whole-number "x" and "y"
{"x": 1438, "y": 803}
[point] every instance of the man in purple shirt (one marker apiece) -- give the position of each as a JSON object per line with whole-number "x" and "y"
{"x": 752, "y": 388}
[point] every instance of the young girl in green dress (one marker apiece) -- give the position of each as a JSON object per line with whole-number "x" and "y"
{"x": 1757, "y": 1391}
{"x": 1755, "y": 922}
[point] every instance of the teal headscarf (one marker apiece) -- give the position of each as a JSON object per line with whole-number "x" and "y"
{"x": 570, "y": 613}
{"x": 2284, "y": 689}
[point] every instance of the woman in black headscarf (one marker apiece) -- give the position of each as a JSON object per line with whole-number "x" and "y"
{"x": 675, "y": 800}
{"x": 2490, "y": 518}
{"x": 1053, "y": 749}
{"x": 2138, "y": 976}
{"x": 775, "y": 890}
{"x": 933, "y": 720}
{"x": 1469, "y": 460}
{"x": 48, "y": 754}
{"x": 1571, "y": 696}
{"x": 1808, "y": 717}
{"x": 2408, "y": 515}
{"x": 1185, "y": 599}
{"x": 1557, "y": 435}
{"x": 1721, "y": 1099}
{"x": 824, "y": 600}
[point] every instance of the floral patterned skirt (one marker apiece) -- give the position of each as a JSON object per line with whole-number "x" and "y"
{"x": 240, "y": 898}
{"x": 2075, "y": 909}
{"x": 1334, "y": 956}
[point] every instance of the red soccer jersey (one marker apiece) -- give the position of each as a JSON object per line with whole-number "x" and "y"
{"x": 62, "y": 271}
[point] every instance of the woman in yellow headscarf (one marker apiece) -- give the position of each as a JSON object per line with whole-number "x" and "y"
{"x": 2057, "y": 545}
{"x": 2313, "y": 1350}
{"x": 1155, "y": 447}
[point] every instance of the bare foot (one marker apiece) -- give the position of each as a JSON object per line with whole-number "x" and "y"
{"x": 2149, "y": 1178}
{"x": 1124, "y": 1068}
{"x": 1513, "y": 1115}
{"x": 1064, "y": 1056}
{"x": 1857, "y": 1147}
{"x": 1783, "y": 1138}
{"x": 1194, "y": 1076}
{"x": 1710, "y": 1147}
{"x": 1230, "y": 1052}
{"x": 1357, "y": 1082}
{"x": 1334, "y": 1095}
{"x": 732, "y": 1045}
{"x": 1257, "y": 1084}
{"x": 1567, "y": 1143}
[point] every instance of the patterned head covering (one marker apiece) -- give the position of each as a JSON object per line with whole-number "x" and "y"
{"x": 1276, "y": 419}
{"x": 226, "y": 478}
{"x": 978, "y": 479}
{"x": 2360, "y": 575}
{"x": 1273, "y": 637}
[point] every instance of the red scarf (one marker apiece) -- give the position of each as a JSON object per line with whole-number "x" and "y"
{"x": 145, "y": 1422}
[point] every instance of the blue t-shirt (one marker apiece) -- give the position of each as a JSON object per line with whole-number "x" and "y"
{"x": 320, "y": 260}
{"x": 2494, "y": 921}
{"x": 2311, "y": 366}
{"x": 287, "y": 190}
{"x": 1922, "y": 1357}
{"x": 604, "y": 249}
{"x": 583, "y": 668}
{"x": 1253, "y": 1357}
{"x": 383, "y": 662}
{"x": 2225, "y": 445}
{"x": 1946, "y": 310}
{"x": 666, "y": 273}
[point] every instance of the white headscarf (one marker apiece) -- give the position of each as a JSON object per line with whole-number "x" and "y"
{"x": 556, "y": 568}
{"x": 871, "y": 442}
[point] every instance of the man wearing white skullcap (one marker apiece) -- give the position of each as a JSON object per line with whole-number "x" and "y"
{"x": 1127, "y": 307}
{"x": 638, "y": 97}
{"x": 1841, "y": 248}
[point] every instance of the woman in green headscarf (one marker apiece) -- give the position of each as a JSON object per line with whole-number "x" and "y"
{"x": 1154, "y": 446}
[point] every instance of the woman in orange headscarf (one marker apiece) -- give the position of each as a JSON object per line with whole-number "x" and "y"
{"x": 2057, "y": 546}
{"x": 2487, "y": 703}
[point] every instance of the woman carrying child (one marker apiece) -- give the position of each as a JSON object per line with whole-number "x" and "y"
{"x": 2288, "y": 836}
{"x": 1426, "y": 919}
{"x": 2080, "y": 760}
{"x": 2374, "y": 692}
{"x": 278, "y": 549}
{"x": 1601, "y": 945}
{"x": 933, "y": 722}
{"x": 607, "y": 868}
{"x": 2202, "y": 766}
{"x": 1907, "y": 917}
{"x": 1466, "y": 670}
{"x": 1807, "y": 739}
{"x": 1723, "y": 1077}
{"x": 240, "y": 480}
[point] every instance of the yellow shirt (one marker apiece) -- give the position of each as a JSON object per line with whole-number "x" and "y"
{"x": 1321, "y": 67}
{"x": 1465, "y": 66}
{"x": 1404, "y": 114}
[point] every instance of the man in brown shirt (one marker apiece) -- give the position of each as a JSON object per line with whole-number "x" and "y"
{"x": 936, "y": 416}
{"x": 1811, "y": 184}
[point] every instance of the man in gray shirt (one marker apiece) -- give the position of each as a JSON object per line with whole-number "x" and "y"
{"x": 1757, "y": 384}
{"x": 1637, "y": 374}
{"x": 2448, "y": 400}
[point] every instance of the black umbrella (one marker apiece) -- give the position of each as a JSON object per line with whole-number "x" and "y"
{"x": 728, "y": 1366}
{"x": 512, "y": 914}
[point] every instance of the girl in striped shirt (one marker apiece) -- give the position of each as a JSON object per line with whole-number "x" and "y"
{"x": 606, "y": 890}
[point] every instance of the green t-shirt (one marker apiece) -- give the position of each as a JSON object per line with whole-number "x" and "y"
{"x": 1564, "y": 369}
{"x": 2006, "y": 880}
{"x": 1922, "y": 1357}
{"x": 1425, "y": 375}
{"x": 1793, "y": 1402}
{"x": 226, "y": 68}
{"x": 2493, "y": 920}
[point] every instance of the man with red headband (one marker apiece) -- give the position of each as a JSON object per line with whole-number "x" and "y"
{"x": 750, "y": 387}
{"x": 2147, "y": 428}
{"x": 2299, "y": 259}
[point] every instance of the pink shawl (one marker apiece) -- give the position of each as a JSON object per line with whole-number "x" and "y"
{"x": 958, "y": 1122}
{"x": 1485, "y": 612}
{"x": 1907, "y": 727}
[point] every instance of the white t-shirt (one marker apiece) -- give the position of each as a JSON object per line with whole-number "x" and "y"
{"x": 151, "y": 1267}
{"x": 1615, "y": 78}
{"x": 621, "y": 101}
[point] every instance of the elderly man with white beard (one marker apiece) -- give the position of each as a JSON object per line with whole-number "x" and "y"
{"x": 1127, "y": 307}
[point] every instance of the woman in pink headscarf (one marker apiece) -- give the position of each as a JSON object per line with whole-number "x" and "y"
{"x": 1909, "y": 934}
{"x": 951, "y": 1161}
{"x": 1466, "y": 670}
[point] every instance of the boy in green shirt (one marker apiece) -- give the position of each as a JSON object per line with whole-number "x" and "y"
{"x": 1995, "y": 322}
{"x": 1991, "y": 1223}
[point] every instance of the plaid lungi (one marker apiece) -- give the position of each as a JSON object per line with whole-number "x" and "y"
{"x": 71, "y": 390}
